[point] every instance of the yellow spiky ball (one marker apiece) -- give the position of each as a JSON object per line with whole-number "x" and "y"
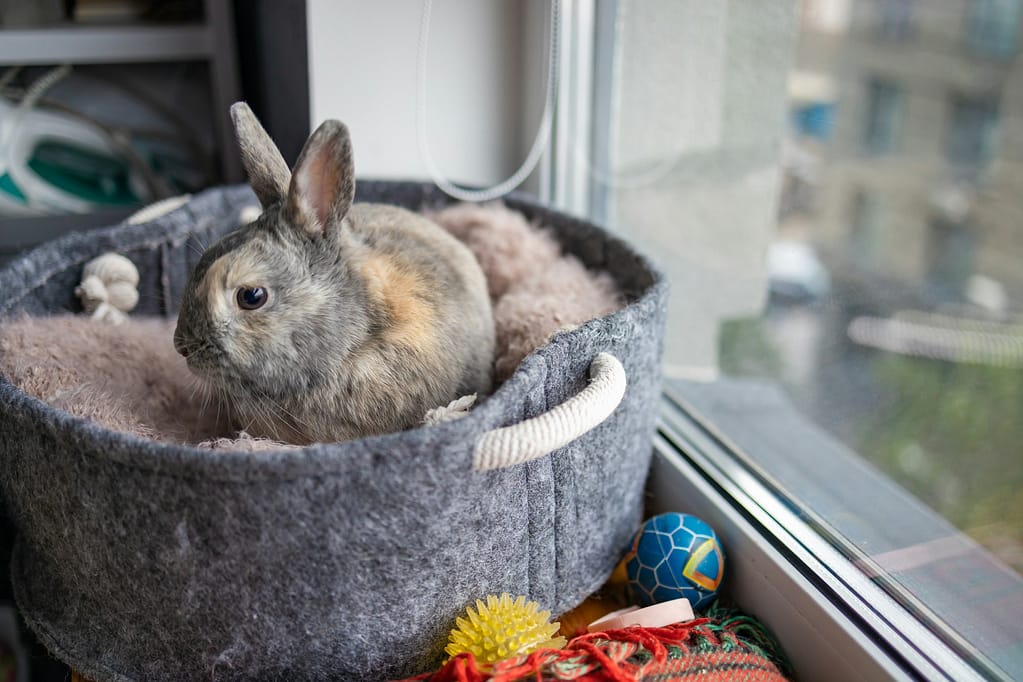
{"x": 502, "y": 628}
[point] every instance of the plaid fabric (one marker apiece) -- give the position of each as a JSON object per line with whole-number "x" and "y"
{"x": 730, "y": 649}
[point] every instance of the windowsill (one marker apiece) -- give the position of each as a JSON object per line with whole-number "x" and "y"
{"x": 829, "y": 608}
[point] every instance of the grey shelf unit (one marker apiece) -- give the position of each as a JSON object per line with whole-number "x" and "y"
{"x": 212, "y": 41}
{"x": 105, "y": 44}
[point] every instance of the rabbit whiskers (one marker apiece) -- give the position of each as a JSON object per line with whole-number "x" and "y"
{"x": 282, "y": 414}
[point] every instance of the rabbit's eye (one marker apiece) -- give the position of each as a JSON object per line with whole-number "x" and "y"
{"x": 250, "y": 298}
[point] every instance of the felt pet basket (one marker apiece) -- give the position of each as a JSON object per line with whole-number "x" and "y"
{"x": 143, "y": 560}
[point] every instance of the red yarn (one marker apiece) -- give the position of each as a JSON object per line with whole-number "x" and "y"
{"x": 461, "y": 668}
{"x": 652, "y": 639}
{"x": 605, "y": 657}
{"x": 610, "y": 669}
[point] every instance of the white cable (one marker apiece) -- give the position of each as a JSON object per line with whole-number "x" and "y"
{"x": 44, "y": 83}
{"x": 8, "y": 76}
{"x": 28, "y": 102}
{"x": 542, "y": 135}
{"x": 32, "y": 95}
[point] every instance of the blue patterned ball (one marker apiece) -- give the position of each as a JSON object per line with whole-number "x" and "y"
{"x": 675, "y": 555}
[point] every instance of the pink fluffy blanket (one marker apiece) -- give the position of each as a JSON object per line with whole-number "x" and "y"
{"x": 129, "y": 378}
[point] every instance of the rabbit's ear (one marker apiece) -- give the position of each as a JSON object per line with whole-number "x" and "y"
{"x": 323, "y": 184}
{"x": 267, "y": 169}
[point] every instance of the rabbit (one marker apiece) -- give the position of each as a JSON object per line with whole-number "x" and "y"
{"x": 326, "y": 320}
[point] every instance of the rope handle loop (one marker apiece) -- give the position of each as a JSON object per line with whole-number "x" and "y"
{"x": 559, "y": 426}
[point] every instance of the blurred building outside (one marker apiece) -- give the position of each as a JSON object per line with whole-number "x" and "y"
{"x": 896, "y": 311}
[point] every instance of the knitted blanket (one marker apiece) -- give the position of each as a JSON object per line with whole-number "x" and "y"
{"x": 726, "y": 647}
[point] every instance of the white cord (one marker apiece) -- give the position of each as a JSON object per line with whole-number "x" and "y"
{"x": 8, "y": 76}
{"x": 28, "y": 101}
{"x": 42, "y": 84}
{"x": 32, "y": 95}
{"x": 542, "y": 135}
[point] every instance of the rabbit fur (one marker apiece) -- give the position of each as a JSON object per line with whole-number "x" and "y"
{"x": 367, "y": 316}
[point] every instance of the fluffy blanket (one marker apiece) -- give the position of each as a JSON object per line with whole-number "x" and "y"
{"x": 129, "y": 378}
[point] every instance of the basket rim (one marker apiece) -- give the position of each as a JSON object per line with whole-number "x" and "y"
{"x": 185, "y": 461}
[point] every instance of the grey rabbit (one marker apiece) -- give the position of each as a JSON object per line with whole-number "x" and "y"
{"x": 326, "y": 320}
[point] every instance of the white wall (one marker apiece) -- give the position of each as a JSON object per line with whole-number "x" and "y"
{"x": 362, "y": 70}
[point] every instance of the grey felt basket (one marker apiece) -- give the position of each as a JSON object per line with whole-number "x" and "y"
{"x": 138, "y": 560}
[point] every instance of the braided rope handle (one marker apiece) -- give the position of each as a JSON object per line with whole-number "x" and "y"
{"x": 559, "y": 426}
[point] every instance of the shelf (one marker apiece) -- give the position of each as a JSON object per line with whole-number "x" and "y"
{"x": 212, "y": 42}
{"x": 105, "y": 44}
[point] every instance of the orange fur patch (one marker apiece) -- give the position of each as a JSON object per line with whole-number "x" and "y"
{"x": 403, "y": 294}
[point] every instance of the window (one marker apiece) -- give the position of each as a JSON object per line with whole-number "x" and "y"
{"x": 867, "y": 230}
{"x": 973, "y": 124}
{"x": 896, "y": 19}
{"x": 814, "y": 119}
{"x": 952, "y": 247}
{"x": 993, "y": 27}
{"x": 884, "y": 108}
{"x": 844, "y": 351}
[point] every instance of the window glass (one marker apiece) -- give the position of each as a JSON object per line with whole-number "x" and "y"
{"x": 993, "y": 27}
{"x": 884, "y": 103}
{"x": 973, "y": 124}
{"x": 896, "y": 19}
{"x": 920, "y": 336}
{"x": 835, "y": 188}
{"x": 912, "y": 357}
